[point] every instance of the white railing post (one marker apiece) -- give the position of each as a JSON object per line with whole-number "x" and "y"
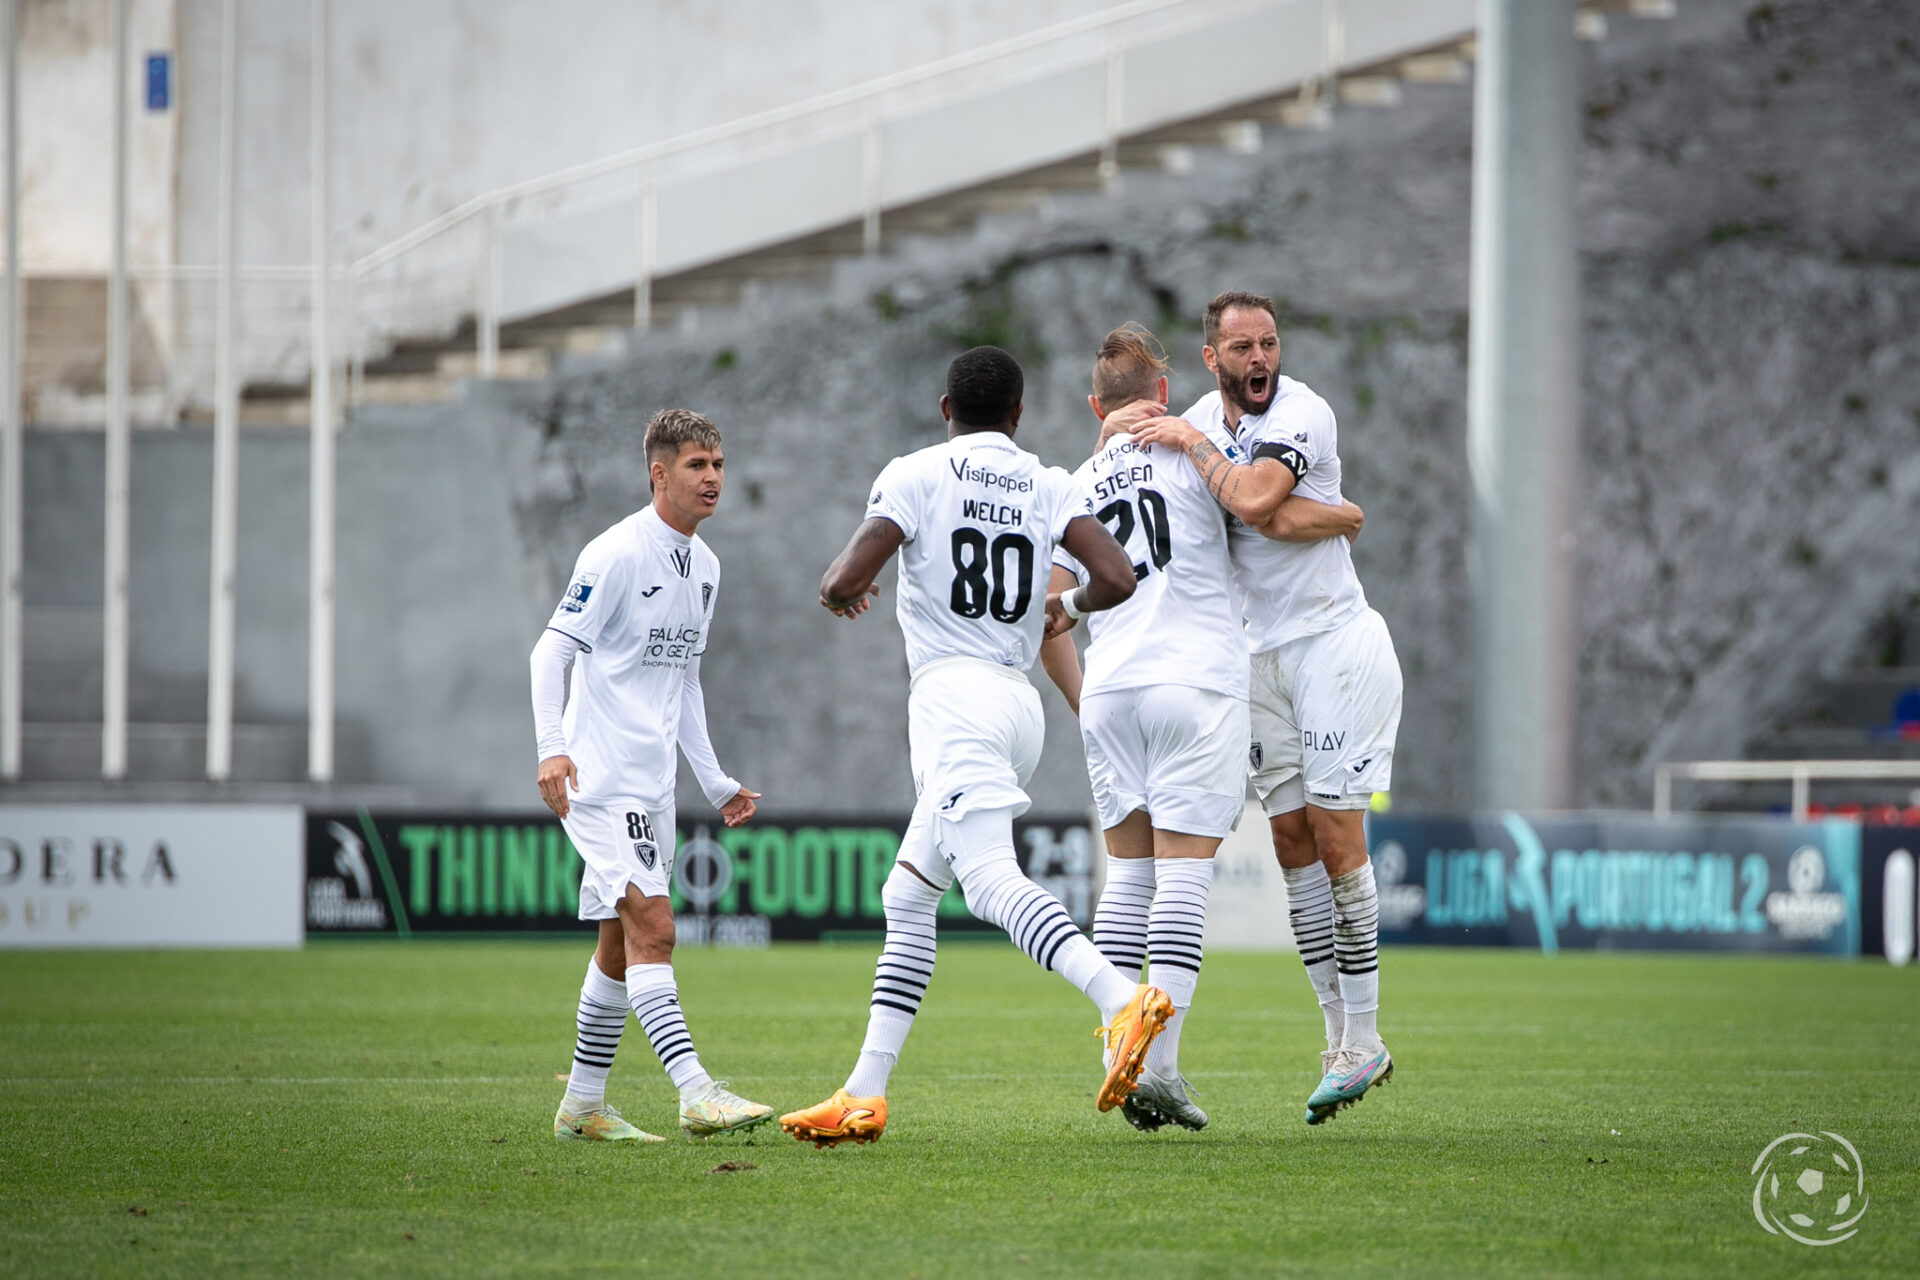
{"x": 1663, "y": 791}
{"x": 646, "y": 248}
{"x": 486, "y": 322}
{"x": 1110, "y": 139}
{"x": 321, "y": 471}
{"x": 1802, "y": 788}
{"x": 226, "y": 423}
{"x": 119, "y": 444}
{"x": 870, "y": 160}
{"x": 12, "y": 523}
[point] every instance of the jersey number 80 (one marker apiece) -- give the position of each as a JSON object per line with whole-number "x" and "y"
{"x": 975, "y": 562}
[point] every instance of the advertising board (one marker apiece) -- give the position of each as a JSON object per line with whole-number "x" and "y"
{"x": 1889, "y": 894}
{"x": 150, "y": 876}
{"x": 793, "y": 878}
{"x": 1618, "y": 882}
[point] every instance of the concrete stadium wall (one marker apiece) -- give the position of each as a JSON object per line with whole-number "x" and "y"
{"x": 1752, "y": 407}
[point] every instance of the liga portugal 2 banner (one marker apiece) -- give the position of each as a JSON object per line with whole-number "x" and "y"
{"x": 792, "y": 878}
{"x": 1618, "y": 882}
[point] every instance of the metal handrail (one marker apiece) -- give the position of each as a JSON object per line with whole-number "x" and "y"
{"x": 490, "y": 206}
{"x": 1801, "y": 773}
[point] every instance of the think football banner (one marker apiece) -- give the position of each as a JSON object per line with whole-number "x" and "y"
{"x": 789, "y": 878}
{"x": 1618, "y": 882}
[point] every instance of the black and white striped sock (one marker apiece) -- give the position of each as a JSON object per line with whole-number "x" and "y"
{"x": 1310, "y": 910}
{"x": 899, "y": 979}
{"x": 1120, "y": 917}
{"x": 598, "y": 1021}
{"x": 655, "y": 998}
{"x": 980, "y": 848}
{"x": 1356, "y": 943}
{"x": 1175, "y": 928}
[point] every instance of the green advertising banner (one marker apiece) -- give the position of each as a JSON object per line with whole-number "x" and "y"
{"x": 788, "y": 879}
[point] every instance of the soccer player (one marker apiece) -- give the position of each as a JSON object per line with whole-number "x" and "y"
{"x": 1162, "y": 706}
{"x": 975, "y": 519}
{"x": 1326, "y": 684}
{"x": 632, "y": 627}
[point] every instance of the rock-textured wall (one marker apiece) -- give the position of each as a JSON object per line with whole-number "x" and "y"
{"x": 1750, "y": 230}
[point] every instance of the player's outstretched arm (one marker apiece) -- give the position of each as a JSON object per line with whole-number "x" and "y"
{"x": 848, "y": 586}
{"x": 1058, "y": 657}
{"x": 1302, "y": 519}
{"x": 1252, "y": 491}
{"x": 1127, "y": 418}
{"x": 1110, "y": 579}
{"x": 735, "y": 802}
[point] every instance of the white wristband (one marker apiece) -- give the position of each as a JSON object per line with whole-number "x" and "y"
{"x": 1066, "y": 603}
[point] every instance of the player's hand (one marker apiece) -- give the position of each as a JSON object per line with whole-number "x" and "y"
{"x": 1058, "y": 621}
{"x": 555, "y": 776}
{"x": 1128, "y": 417}
{"x": 1359, "y": 518}
{"x": 740, "y": 808}
{"x": 854, "y": 610}
{"x": 1174, "y": 433}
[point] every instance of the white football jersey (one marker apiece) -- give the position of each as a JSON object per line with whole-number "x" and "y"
{"x": 1182, "y": 624}
{"x": 1289, "y": 589}
{"x": 641, "y": 601}
{"x": 981, "y": 517}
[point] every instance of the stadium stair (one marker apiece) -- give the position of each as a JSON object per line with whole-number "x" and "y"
{"x": 426, "y": 368}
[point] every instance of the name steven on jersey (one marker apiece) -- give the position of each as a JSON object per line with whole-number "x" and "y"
{"x": 962, "y": 470}
{"x": 991, "y": 513}
{"x": 1137, "y": 474}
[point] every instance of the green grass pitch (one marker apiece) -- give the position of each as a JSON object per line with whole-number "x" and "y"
{"x": 385, "y": 1109}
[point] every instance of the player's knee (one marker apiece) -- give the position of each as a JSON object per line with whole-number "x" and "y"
{"x": 1293, "y": 843}
{"x": 906, "y": 891}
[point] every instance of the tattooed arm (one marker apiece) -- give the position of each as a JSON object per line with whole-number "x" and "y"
{"x": 849, "y": 582}
{"x": 1251, "y": 491}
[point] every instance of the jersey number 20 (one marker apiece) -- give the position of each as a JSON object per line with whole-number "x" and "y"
{"x": 1118, "y": 517}
{"x": 974, "y": 562}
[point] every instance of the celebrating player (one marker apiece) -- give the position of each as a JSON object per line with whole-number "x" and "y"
{"x": 1326, "y": 684}
{"x": 632, "y": 626}
{"x": 1163, "y": 705}
{"x": 974, "y": 519}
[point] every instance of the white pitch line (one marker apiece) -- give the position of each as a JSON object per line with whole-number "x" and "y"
{"x": 292, "y": 1080}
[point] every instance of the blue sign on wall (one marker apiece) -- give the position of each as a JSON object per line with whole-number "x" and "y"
{"x": 159, "y": 81}
{"x": 1618, "y": 883}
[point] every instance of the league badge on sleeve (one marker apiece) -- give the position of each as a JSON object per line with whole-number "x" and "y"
{"x": 578, "y": 592}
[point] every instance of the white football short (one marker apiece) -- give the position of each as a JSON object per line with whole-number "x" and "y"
{"x": 1172, "y": 750}
{"x": 1325, "y": 712}
{"x": 974, "y": 730}
{"x": 621, "y": 844}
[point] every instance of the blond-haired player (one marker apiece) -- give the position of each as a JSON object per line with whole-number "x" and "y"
{"x": 631, "y": 628}
{"x": 1162, "y": 705}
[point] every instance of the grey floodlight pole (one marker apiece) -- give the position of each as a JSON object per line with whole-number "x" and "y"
{"x": 1523, "y": 404}
{"x": 321, "y": 467}
{"x": 226, "y": 422}
{"x": 12, "y": 524}
{"x": 119, "y": 441}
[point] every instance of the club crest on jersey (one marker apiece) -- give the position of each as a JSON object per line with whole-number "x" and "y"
{"x": 1255, "y": 755}
{"x": 577, "y": 593}
{"x": 647, "y": 852}
{"x": 706, "y": 594}
{"x": 683, "y": 560}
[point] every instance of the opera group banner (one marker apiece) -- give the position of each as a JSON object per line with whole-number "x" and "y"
{"x": 149, "y": 875}
{"x": 773, "y": 879}
{"x": 1618, "y": 882}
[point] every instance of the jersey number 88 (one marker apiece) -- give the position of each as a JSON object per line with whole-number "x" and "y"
{"x": 974, "y": 561}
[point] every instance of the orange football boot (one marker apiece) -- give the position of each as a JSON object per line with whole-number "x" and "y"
{"x": 839, "y": 1119}
{"x": 1128, "y": 1036}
